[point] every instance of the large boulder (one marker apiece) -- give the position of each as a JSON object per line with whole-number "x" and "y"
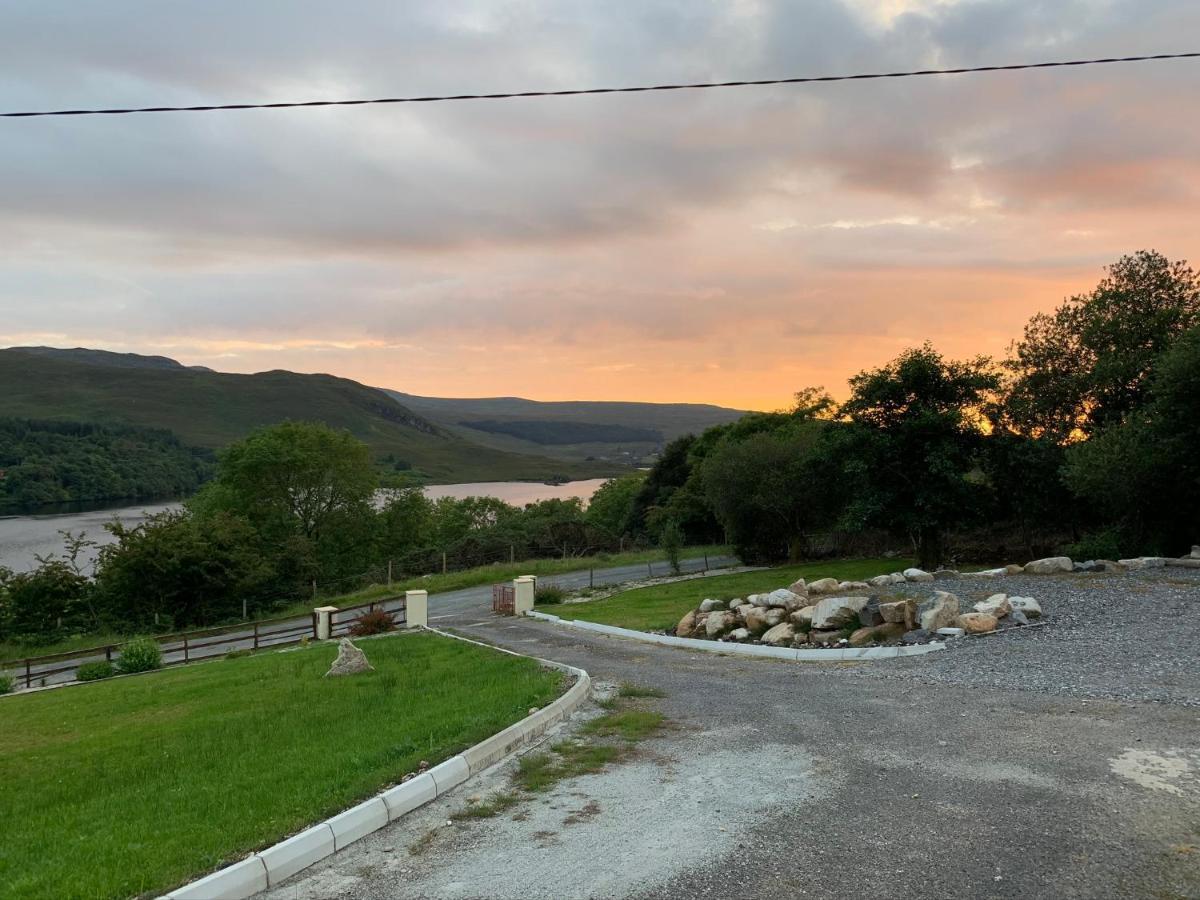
{"x": 945, "y": 573}
{"x": 781, "y": 635}
{"x": 736, "y": 602}
{"x": 917, "y": 575}
{"x": 798, "y": 586}
{"x": 1013, "y": 569}
{"x": 870, "y": 616}
{"x": 686, "y": 625}
{"x": 823, "y": 586}
{"x": 786, "y": 599}
{"x": 837, "y": 612}
{"x": 1144, "y": 562}
{"x": 759, "y": 619}
{"x": 802, "y": 616}
{"x": 880, "y": 581}
{"x": 1026, "y": 605}
{"x": 988, "y": 573}
{"x": 1195, "y": 554}
{"x": 900, "y": 612}
{"x": 710, "y": 605}
{"x": 996, "y": 605}
{"x": 1051, "y": 565}
{"x": 718, "y": 623}
{"x": 976, "y": 623}
{"x": 350, "y": 661}
{"x": 852, "y": 585}
{"x": 880, "y": 634}
{"x": 738, "y": 634}
{"x": 939, "y": 611}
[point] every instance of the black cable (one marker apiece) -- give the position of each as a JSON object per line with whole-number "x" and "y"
{"x": 618, "y": 90}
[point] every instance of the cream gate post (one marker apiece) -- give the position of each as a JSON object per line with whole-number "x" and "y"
{"x": 523, "y": 588}
{"x": 416, "y": 609}
{"x": 323, "y": 614}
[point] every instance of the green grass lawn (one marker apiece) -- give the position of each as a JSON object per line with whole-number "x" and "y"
{"x": 121, "y": 787}
{"x": 662, "y": 606}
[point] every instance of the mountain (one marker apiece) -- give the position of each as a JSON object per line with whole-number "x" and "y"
{"x": 572, "y": 430}
{"x": 212, "y": 409}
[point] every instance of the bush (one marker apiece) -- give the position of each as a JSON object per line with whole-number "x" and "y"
{"x": 6, "y": 684}
{"x": 550, "y": 595}
{"x": 94, "y": 671}
{"x": 375, "y": 621}
{"x": 1099, "y": 545}
{"x": 139, "y": 655}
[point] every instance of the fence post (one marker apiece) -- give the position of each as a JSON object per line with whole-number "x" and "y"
{"x": 322, "y": 615}
{"x": 512, "y": 554}
{"x": 705, "y": 562}
{"x": 185, "y": 648}
{"x": 314, "y": 589}
{"x": 108, "y": 653}
{"x": 649, "y": 571}
{"x": 244, "y": 616}
{"x": 591, "y": 578}
{"x": 416, "y": 609}
{"x": 28, "y": 675}
{"x": 389, "y": 573}
{"x": 443, "y": 562}
{"x": 255, "y": 635}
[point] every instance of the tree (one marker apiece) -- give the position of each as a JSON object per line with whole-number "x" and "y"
{"x": 1087, "y": 365}
{"x": 46, "y": 604}
{"x": 611, "y": 508}
{"x": 912, "y": 443}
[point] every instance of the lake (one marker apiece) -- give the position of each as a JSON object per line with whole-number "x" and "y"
{"x": 24, "y": 538}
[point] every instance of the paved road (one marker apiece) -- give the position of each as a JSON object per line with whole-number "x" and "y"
{"x": 450, "y": 603}
{"x": 783, "y": 780}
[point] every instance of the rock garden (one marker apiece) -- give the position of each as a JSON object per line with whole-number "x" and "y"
{"x": 836, "y": 614}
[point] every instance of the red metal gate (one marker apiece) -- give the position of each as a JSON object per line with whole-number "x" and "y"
{"x": 503, "y": 599}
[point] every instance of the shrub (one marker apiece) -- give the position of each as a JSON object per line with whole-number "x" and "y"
{"x": 549, "y": 595}
{"x": 375, "y": 621}
{"x": 1098, "y": 545}
{"x": 139, "y": 655}
{"x": 6, "y": 684}
{"x": 94, "y": 671}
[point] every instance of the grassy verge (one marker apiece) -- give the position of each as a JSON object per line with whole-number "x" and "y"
{"x": 662, "y": 606}
{"x": 135, "y": 785}
{"x": 452, "y": 581}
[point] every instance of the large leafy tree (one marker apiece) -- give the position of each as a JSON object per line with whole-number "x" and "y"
{"x": 611, "y": 508}
{"x": 912, "y": 444}
{"x": 1087, "y": 365}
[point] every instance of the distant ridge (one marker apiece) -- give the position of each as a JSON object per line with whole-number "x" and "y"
{"x": 108, "y": 358}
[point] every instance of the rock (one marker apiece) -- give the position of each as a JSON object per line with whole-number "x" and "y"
{"x": 824, "y": 638}
{"x": 1015, "y": 617}
{"x": 710, "y": 605}
{"x": 837, "y": 612}
{"x": 1051, "y": 565}
{"x": 945, "y": 573}
{"x": 798, "y": 586}
{"x": 876, "y": 634}
{"x": 786, "y": 599}
{"x": 823, "y": 586}
{"x": 781, "y": 634}
{"x": 869, "y": 616}
{"x": 759, "y": 600}
{"x": 718, "y": 623}
{"x": 1027, "y": 605}
{"x": 1195, "y": 554}
{"x": 951, "y": 632}
{"x": 686, "y": 625}
{"x": 900, "y": 612}
{"x": 759, "y": 619}
{"x": 1109, "y": 565}
{"x": 739, "y": 634}
{"x": 350, "y": 661}
{"x": 1013, "y": 569}
{"x": 976, "y": 623}
{"x": 802, "y": 616}
{"x": 880, "y": 581}
{"x": 1090, "y": 566}
{"x": 916, "y": 636}
{"x": 988, "y": 573}
{"x": 996, "y": 605}
{"x": 698, "y": 627}
{"x": 1185, "y": 562}
{"x": 1143, "y": 562}
{"x": 736, "y": 602}
{"x": 939, "y": 611}
{"x": 852, "y": 585}
{"x": 898, "y": 578}
{"x": 917, "y": 575}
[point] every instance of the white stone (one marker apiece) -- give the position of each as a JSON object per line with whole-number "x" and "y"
{"x": 939, "y": 611}
{"x": 1144, "y": 562}
{"x": 1051, "y": 565}
{"x": 719, "y": 622}
{"x": 736, "y": 602}
{"x": 823, "y": 586}
{"x": 739, "y": 634}
{"x": 783, "y": 633}
{"x": 350, "y": 661}
{"x": 986, "y": 573}
{"x": 710, "y": 605}
{"x": 951, "y": 632}
{"x": 837, "y": 612}
{"x": 786, "y": 598}
{"x": 1027, "y": 605}
{"x": 881, "y": 581}
{"x": 915, "y": 574}
{"x": 996, "y": 605}
{"x": 798, "y": 586}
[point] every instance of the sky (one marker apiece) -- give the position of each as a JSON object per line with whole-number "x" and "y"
{"x": 727, "y": 246}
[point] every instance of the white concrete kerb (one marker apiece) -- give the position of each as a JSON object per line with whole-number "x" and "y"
{"x": 271, "y": 866}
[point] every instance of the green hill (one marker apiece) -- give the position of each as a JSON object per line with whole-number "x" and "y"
{"x": 572, "y": 430}
{"x": 212, "y": 409}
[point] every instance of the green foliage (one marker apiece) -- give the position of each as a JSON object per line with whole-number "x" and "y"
{"x": 913, "y": 441}
{"x": 542, "y": 431}
{"x": 48, "y": 604}
{"x": 611, "y": 509}
{"x": 95, "y": 671}
{"x": 630, "y": 724}
{"x": 52, "y": 462}
{"x": 670, "y": 539}
{"x": 1097, "y": 545}
{"x": 548, "y": 595}
{"x": 139, "y": 655}
{"x": 636, "y": 691}
{"x": 6, "y": 684}
{"x": 373, "y": 621}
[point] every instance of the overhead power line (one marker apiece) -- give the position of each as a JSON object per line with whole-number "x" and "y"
{"x": 812, "y": 79}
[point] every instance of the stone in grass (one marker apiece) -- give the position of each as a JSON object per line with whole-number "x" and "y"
{"x": 710, "y": 605}
{"x": 915, "y": 574}
{"x": 939, "y": 611}
{"x": 976, "y": 623}
{"x": 852, "y": 585}
{"x": 996, "y": 605}
{"x": 1030, "y": 607}
{"x": 1051, "y": 565}
{"x": 350, "y": 661}
{"x": 916, "y": 636}
{"x": 736, "y": 602}
{"x": 781, "y": 635}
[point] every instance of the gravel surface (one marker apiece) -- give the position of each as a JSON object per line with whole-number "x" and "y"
{"x": 1128, "y": 636}
{"x": 996, "y": 769}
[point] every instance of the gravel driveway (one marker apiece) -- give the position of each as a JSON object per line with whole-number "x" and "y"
{"x": 1060, "y": 762}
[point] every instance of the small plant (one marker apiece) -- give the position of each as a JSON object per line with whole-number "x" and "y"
{"x": 375, "y": 621}
{"x": 485, "y": 809}
{"x": 637, "y": 690}
{"x": 139, "y": 655}
{"x": 94, "y": 671}
{"x": 549, "y": 595}
{"x": 237, "y": 654}
{"x": 632, "y": 725}
{"x": 671, "y": 542}
{"x": 1098, "y": 545}
{"x": 6, "y": 684}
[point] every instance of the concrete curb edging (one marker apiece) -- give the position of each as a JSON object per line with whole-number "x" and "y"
{"x": 728, "y": 647}
{"x": 269, "y": 867}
